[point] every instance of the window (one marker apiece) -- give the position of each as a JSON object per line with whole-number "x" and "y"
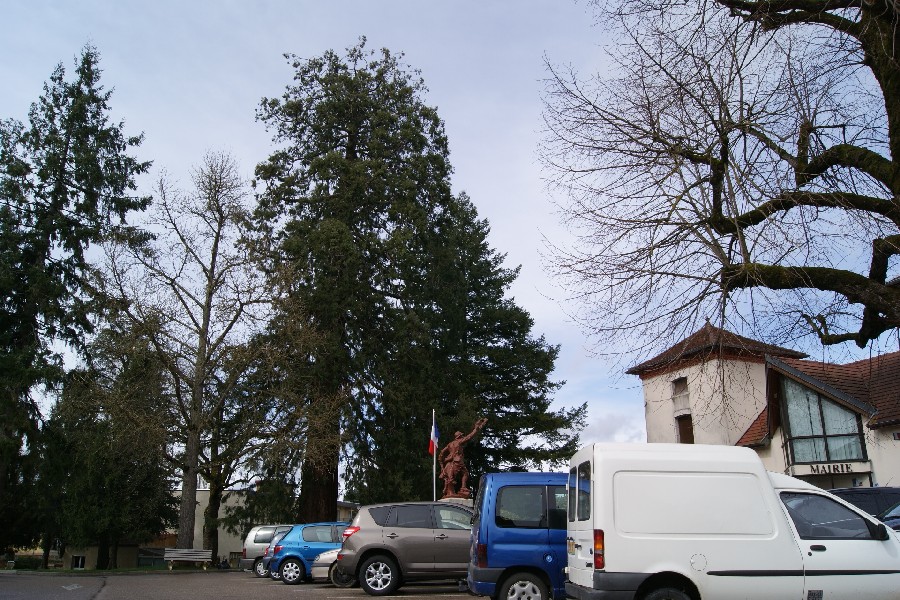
{"x": 521, "y": 506}
{"x": 580, "y": 492}
{"x": 685, "y": 428}
{"x": 380, "y": 514}
{"x": 820, "y": 518}
{"x": 317, "y": 533}
{"x": 818, "y": 429}
{"x": 264, "y": 535}
{"x": 448, "y": 517}
{"x": 556, "y": 507}
{"x": 411, "y": 515}
{"x": 680, "y": 397}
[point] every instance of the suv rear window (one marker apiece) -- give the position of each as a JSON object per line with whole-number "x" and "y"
{"x": 380, "y": 514}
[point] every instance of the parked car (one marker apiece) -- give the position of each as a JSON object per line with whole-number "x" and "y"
{"x": 891, "y": 517}
{"x": 294, "y": 554}
{"x": 325, "y": 567}
{"x": 705, "y": 522}
{"x": 255, "y": 545}
{"x": 270, "y": 551}
{"x": 873, "y": 500}
{"x": 387, "y": 545}
{"x": 518, "y": 547}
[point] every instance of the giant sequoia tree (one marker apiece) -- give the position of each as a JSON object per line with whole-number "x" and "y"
{"x": 740, "y": 161}
{"x": 358, "y": 201}
{"x": 67, "y": 181}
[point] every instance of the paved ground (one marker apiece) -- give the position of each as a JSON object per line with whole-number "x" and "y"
{"x": 210, "y": 585}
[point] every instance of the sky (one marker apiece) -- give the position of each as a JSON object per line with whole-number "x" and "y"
{"x": 190, "y": 75}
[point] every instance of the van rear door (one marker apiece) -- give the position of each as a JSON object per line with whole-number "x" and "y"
{"x": 580, "y": 531}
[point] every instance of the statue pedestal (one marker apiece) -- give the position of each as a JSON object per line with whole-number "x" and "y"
{"x": 468, "y": 502}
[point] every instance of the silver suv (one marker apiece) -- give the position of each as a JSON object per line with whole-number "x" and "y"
{"x": 389, "y": 544}
{"x": 255, "y": 545}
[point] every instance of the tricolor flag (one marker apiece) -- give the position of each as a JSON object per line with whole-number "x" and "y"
{"x": 433, "y": 442}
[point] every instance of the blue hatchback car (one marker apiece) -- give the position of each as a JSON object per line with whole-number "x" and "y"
{"x": 294, "y": 554}
{"x": 519, "y": 536}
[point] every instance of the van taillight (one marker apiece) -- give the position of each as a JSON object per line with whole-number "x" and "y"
{"x": 266, "y": 551}
{"x": 350, "y": 531}
{"x": 599, "y": 561}
{"x": 481, "y": 555}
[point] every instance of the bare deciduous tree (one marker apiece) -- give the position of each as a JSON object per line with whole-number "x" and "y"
{"x": 739, "y": 164}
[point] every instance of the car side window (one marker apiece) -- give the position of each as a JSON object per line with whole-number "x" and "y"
{"x": 820, "y": 518}
{"x": 380, "y": 515}
{"x": 412, "y": 515}
{"x": 264, "y": 535}
{"x": 520, "y": 506}
{"x": 317, "y": 533}
{"x": 449, "y": 517}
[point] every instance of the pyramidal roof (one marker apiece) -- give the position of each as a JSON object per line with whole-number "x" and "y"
{"x": 710, "y": 341}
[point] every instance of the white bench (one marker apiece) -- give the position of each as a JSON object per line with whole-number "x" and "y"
{"x": 187, "y": 555}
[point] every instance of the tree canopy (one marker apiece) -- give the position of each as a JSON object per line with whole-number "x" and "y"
{"x": 739, "y": 163}
{"x": 67, "y": 182}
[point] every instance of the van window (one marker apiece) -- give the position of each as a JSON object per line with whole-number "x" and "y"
{"x": 556, "y": 507}
{"x": 580, "y": 492}
{"x": 520, "y": 506}
{"x": 820, "y": 518}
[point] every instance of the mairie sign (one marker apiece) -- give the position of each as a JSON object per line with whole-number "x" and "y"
{"x": 837, "y": 468}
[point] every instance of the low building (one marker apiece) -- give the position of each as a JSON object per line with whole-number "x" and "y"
{"x": 833, "y": 425}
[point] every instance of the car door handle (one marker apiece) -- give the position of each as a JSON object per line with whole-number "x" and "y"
{"x": 441, "y": 537}
{"x": 817, "y": 548}
{"x": 392, "y": 535}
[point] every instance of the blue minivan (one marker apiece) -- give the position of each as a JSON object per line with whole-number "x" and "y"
{"x": 519, "y": 536}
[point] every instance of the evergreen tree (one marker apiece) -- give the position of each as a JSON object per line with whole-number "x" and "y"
{"x": 390, "y": 269}
{"x": 66, "y": 182}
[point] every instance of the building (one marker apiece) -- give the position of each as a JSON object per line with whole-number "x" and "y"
{"x": 833, "y": 425}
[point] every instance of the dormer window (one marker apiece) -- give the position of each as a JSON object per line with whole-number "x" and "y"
{"x": 819, "y": 429}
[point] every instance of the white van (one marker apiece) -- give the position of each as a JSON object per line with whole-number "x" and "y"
{"x": 702, "y": 522}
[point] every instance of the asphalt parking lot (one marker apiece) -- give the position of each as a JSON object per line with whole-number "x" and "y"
{"x": 210, "y": 585}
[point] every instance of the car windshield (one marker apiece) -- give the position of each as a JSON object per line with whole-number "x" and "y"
{"x": 891, "y": 513}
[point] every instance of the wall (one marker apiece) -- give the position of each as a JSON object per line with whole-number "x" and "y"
{"x": 723, "y": 402}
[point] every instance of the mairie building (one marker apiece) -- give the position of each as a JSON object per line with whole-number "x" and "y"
{"x": 833, "y": 425}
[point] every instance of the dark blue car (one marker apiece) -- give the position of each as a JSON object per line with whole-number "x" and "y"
{"x": 519, "y": 536}
{"x": 294, "y": 554}
{"x": 891, "y": 517}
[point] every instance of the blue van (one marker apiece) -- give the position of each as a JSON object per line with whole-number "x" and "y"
{"x": 519, "y": 536}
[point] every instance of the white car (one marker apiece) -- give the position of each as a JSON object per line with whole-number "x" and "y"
{"x": 325, "y": 567}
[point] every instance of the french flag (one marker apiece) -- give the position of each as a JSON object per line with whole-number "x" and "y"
{"x": 433, "y": 442}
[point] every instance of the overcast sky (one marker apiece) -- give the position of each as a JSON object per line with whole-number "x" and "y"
{"x": 190, "y": 74}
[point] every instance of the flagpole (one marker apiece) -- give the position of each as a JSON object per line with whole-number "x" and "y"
{"x": 434, "y": 462}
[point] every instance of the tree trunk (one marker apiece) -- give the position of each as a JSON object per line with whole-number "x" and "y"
{"x": 188, "y": 510}
{"x": 318, "y": 493}
{"x": 103, "y": 553}
{"x": 211, "y": 519}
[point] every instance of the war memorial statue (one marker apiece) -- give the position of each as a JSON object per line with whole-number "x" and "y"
{"x": 453, "y": 466}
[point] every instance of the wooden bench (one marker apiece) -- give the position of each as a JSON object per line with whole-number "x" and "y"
{"x": 187, "y": 555}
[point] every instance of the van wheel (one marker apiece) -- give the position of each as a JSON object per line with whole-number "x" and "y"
{"x": 523, "y": 586}
{"x": 379, "y": 576}
{"x": 339, "y": 577}
{"x": 666, "y": 594}
{"x": 292, "y": 571}
{"x": 259, "y": 569}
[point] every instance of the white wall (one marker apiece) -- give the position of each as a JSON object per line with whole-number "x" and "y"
{"x": 724, "y": 401}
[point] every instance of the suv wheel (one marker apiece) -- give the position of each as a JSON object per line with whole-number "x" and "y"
{"x": 523, "y": 586}
{"x": 259, "y": 569}
{"x": 379, "y": 576}
{"x": 292, "y": 571}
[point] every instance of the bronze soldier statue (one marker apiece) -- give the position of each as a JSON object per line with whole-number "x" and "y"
{"x": 453, "y": 466}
